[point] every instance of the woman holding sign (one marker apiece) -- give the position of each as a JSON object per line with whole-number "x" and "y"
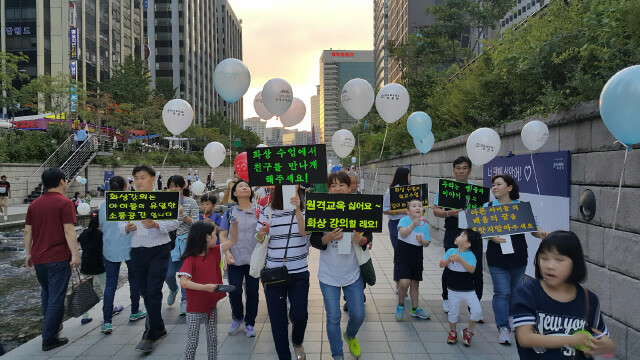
{"x": 338, "y": 270}
{"x": 402, "y": 177}
{"x": 507, "y": 264}
{"x": 289, "y": 248}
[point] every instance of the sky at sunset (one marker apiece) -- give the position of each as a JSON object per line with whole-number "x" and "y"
{"x": 285, "y": 38}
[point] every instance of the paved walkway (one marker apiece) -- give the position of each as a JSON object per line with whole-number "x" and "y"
{"x": 381, "y": 337}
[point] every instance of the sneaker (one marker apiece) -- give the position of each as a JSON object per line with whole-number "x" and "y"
{"x": 137, "y": 316}
{"x": 249, "y": 331}
{"x": 399, "y": 313}
{"x": 354, "y": 346}
{"x": 466, "y": 336}
{"x": 419, "y": 313}
{"x": 452, "y": 338}
{"x": 107, "y": 328}
{"x": 55, "y": 343}
{"x": 481, "y": 321}
{"x": 171, "y": 299}
{"x": 145, "y": 346}
{"x": 300, "y": 354}
{"x": 118, "y": 309}
{"x": 445, "y": 306}
{"x": 503, "y": 336}
{"x": 234, "y": 328}
{"x": 345, "y": 308}
{"x": 183, "y": 308}
{"x": 85, "y": 321}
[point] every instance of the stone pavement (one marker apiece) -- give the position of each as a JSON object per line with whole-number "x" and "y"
{"x": 380, "y": 337}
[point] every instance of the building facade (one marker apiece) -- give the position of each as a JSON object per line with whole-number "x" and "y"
{"x": 315, "y": 118}
{"x": 228, "y": 45}
{"x": 520, "y": 11}
{"x": 257, "y": 126}
{"x": 393, "y": 22}
{"x": 274, "y": 136}
{"x": 336, "y": 69}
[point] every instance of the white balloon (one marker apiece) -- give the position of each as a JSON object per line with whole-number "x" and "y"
{"x": 228, "y": 181}
{"x": 534, "y": 134}
{"x": 197, "y": 187}
{"x": 392, "y": 102}
{"x": 231, "y": 79}
{"x": 259, "y": 107}
{"x": 177, "y": 116}
{"x": 84, "y": 209}
{"x": 78, "y": 178}
{"x": 357, "y": 98}
{"x": 277, "y": 96}
{"x": 483, "y": 145}
{"x": 214, "y": 154}
{"x": 221, "y": 195}
{"x": 295, "y": 114}
{"x": 261, "y": 145}
{"x": 343, "y": 142}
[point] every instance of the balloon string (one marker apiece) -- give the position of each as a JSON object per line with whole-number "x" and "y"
{"x": 165, "y": 158}
{"x": 375, "y": 178}
{"x": 624, "y": 164}
{"x": 533, "y": 165}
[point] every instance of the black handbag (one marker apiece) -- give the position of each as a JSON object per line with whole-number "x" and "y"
{"x": 173, "y": 235}
{"x": 81, "y": 296}
{"x": 368, "y": 273}
{"x": 278, "y": 276}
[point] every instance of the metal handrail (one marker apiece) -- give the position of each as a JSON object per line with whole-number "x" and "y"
{"x": 61, "y": 154}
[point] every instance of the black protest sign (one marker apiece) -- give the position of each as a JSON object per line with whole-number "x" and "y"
{"x": 502, "y": 219}
{"x": 399, "y": 196}
{"x": 326, "y": 212}
{"x": 459, "y": 195}
{"x": 140, "y": 205}
{"x": 287, "y": 165}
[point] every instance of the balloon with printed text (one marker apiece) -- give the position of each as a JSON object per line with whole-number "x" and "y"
{"x": 534, "y": 134}
{"x": 241, "y": 167}
{"x": 177, "y": 115}
{"x": 357, "y": 98}
{"x": 620, "y": 105}
{"x": 392, "y": 102}
{"x": 483, "y": 145}
{"x": 277, "y": 96}
{"x": 343, "y": 142}
{"x": 231, "y": 79}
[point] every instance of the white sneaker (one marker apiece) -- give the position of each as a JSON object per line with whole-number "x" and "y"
{"x": 503, "y": 336}
{"x": 445, "y": 306}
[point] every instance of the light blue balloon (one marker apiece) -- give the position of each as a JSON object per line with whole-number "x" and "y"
{"x": 425, "y": 145}
{"x": 620, "y": 105}
{"x": 231, "y": 79}
{"x": 83, "y": 181}
{"x": 419, "y": 124}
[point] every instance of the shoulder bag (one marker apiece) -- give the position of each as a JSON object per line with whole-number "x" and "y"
{"x": 367, "y": 271}
{"x": 259, "y": 254}
{"x": 278, "y": 276}
{"x": 81, "y": 296}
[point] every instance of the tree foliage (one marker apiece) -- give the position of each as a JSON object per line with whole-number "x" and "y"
{"x": 129, "y": 82}
{"x": 10, "y": 77}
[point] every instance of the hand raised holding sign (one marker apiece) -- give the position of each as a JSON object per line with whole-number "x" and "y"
{"x": 130, "y": 227}
{"x": 332, "y": 236}
{"x": 149, "y": 224}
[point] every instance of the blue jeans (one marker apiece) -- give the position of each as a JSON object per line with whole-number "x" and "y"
{"x": 505, "y": 282}
{"x": 112, "y": 270}
{"x": 170, "y": 279}
{"x": 393, "y": 234}
{"x": 54, "y": 279}
{"x": 236, "y": 274}
{"x": 355, "y": 300}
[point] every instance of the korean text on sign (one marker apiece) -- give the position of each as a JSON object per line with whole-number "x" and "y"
{"x": 399, "y": 196}
{"x": 502, "y": 220}
{"x": 326, "y": 212}
{"x": 459, "y": 195}
{"x": 287, "y": 165}
{"x": 138, "y": 205}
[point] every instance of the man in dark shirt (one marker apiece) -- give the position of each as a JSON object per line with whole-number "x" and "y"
{"x": 5, "y": 195}
{"x": 51, "y": 244}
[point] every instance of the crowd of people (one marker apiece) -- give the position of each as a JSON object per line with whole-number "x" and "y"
{"x": 192, "y": 253}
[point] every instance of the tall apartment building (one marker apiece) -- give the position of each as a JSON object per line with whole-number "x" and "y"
{"x": 182, "y": 40}
{"x": 83, "y": 38}
{"x": 228, "y": 45}
{"x": 315, "y": 118}
{"x": 337, "y": 67}
{"x": 394, "y": 21}
{"x": 257, "y": 126}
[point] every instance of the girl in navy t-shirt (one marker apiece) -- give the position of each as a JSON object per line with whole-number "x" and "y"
{"x": 555, "y": 317}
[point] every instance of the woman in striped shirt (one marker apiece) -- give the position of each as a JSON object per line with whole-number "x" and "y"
{"x": 286, "y": 226}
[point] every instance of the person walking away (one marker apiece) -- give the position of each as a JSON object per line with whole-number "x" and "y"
{"x": 91, "y": 259}
{"x": 188, "y": 213}
{"x": 82, "y": 136}
{"x": 401, "y": 177}
{"x": 239, "y": 258}
{"x": 150, "y": 255}
{"x": 460, "y": 262}
{"x": 201, "y": 275}
{"x": 554, "y": 316}
{"x": 5, "y": 195}
{"x": 341, "y": 272}
{"x": 413, "y": 235}
{"x": 116, "y": 249}
{"x": 51, "y": 244}
{"x": 289, "y": 247}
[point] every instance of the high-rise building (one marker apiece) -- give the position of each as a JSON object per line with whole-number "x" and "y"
{"x": 521, "y": 10}
{"x": 336, "y": 68}
{"x": 257, "y": 126}
{"x": 228, "y": 45}
{"x": 182, "y": 42}
{"x": 83, "y": 38}
{"x": 274, "y": 136}
{"x": 295, "y": 137}
{"x": 393, "y": 22}
{"x": 315, "y": 118}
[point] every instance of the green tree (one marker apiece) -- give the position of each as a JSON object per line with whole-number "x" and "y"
{"x": 164, "y": 88}
{"x": 129, "y": 82}
{"x": 53, "y": 91}
{"x": 10, "y": 77}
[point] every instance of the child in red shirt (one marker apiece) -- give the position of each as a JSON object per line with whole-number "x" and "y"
{"x": 201, "y": 276}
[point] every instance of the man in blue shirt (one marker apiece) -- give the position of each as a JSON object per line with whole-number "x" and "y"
{"x": 82, "y": 136}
